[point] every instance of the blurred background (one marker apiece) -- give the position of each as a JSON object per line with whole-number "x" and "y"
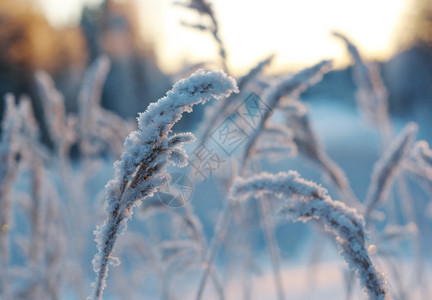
{"x": 150, "y": 48}
{"x": 148, "y": 45}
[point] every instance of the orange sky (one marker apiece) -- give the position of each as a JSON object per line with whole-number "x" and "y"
{"x": 297, "y": 31}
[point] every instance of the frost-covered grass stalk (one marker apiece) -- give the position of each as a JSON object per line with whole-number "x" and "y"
{"x": 371, "y": 93}
{"x": 225, "y": 108}
{"x": 423, "y": 154}
{"x": 99, "y": 129}
{"x": 372, "y": 101}
{"x": 61, "y": 127}
{"x": 89, "y": 102}
{"x": 62, "y": 130}
{"x": 292, "y": 86}
{"x": 213, "y": 114}
{"x": 148, "y": 150}
{"x": 41, "y": 279}
{"x": 419, "y": 166}
{"x": 388, "y": 167}
{"x": 9, "y": 151}
{"x": 32, "y": 155}
{"x": 45, "y": 247}
{"x": 307, "y": 200}
{"x": 309, "y": 145}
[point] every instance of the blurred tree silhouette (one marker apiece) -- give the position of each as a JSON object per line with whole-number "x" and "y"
{"x": 421, "y": 22}
{"x": 28, "y": 43}
{"x": 113, "y": 29}
{"x": 135, "y": 79}
{"x": 409, "y": 73}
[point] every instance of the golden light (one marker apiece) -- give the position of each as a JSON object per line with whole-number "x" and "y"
{"x": 297, "y": 31}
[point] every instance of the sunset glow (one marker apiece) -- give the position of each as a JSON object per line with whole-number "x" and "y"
{"x": 297, "y": 31}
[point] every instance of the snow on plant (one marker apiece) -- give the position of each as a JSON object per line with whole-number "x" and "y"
{"x": 307, "y": 200}
{"x": 290, "y": 87}
{"x": 148, "y": 150}
{"x": 422, "y": 154}
{"x": 225, "y": 108}
{"x": 9, "y": 151}
{"x": 20, "y": 136}
{"x": 388, "y": 167}
{"x": 419, "y": 165}
{"x": 55, "y": 244}
{"x": 61, "y": 127}
{"x": 309, "y": 145}
{"x": 44, "y": 248}
{"x": 98, "y": 128}
{"x": 371, "y": 94}
{"x": 372, "y": 102}
{"x": 286, "y": 87}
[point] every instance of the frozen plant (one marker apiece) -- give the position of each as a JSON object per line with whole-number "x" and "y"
{"x": 225, "y": 108}
{"x": 20, "y": 137}
{"x": 388, "y": 167}
{"x": 61, "y": 127}
{"x": 372, "y": 101}
{"x": 420, "y": 165}
{"x": 422, "y": 153}
{"x": 148, "y": 150}
{"x": 307, "y": 200}
{"x": 9, "y": 151}
{"x": 98, "y": 128}
{"x": 371, "y": 92}
{"x": 43, "y": 250}
{"x": 289, "y": 87}
{"x": 309, "y": 145}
